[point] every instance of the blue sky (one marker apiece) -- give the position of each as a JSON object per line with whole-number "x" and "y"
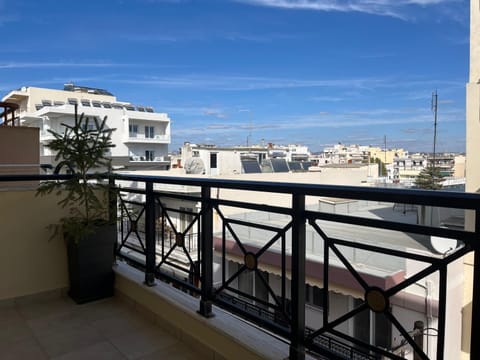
{"x": 312, "y": 72}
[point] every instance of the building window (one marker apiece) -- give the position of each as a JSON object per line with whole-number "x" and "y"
{"x": 314, "y": 295}
{"x": 149, "y": 132}
{"x": 133, "y": 130}
{"x": 372, "y": 328}
{"x": 149, "y": 155}
{"x": 213, "y": 160}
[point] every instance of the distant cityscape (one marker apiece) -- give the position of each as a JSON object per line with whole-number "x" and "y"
{"x": 143, "y": 135}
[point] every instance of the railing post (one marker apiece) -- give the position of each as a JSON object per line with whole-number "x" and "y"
{"x": 297, "y": 334}
{"x": 475, "y": 329}
{"x": 112, "y": 212}
{"x": 149, "y": 235}
{"x": 206, "y": 275}
{"x": 112, "y": 201}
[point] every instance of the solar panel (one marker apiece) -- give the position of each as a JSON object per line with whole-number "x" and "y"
{"x": 46, "y": 103}
{"x": 38, "y": 106}
{"x": 141, "y": 108}
{"x": 129, "y": 107}
{"x": 58, "y": 103}
{"x": 85, "y": 102}
{"x": 149, "y": 109}
{"x": 251, "y": 167}
{"x": 96, "y": 103}
{"x": 279, "y": 165}
{"x": 72, "y": 101}
{"x": 295, "y": 166}
{"x": 107, "y": 105}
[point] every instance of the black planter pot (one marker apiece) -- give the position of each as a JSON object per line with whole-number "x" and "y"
{"x": 90, "y": 265}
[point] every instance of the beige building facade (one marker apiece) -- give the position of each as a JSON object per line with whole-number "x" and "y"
{"x": 472, "y": 163}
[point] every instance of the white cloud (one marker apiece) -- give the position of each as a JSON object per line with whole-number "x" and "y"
{"x": 393, "y": 8}
{"x": 19, "y": 65}
{"x": 199, "y": 35}
{"x": 231, "y": 82}
{"x": 218, "y": 113}
{"x": 217, "y": 82}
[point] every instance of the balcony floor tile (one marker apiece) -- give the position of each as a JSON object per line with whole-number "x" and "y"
{"x": 57, "y": 328}
{"x": 144, "y": 341}
{"x": 22, "y": 350}
{"x": 99, "y": 351}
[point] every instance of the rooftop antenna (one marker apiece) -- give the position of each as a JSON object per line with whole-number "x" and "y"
{"x": 249, "y": 136}
{"x": 434, "y": 109}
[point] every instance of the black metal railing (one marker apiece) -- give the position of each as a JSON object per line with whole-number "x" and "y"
{"x": 8, "y": 109}
{"x": 234, "y": 249}
{"x": 282, "y": 311}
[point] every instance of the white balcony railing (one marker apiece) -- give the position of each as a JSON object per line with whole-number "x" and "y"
{"x": 135, "y": 137}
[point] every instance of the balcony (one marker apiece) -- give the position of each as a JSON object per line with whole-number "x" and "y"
{"x": 51, "y": 326}
{"x": 276, "y": 238}
{"x": 135, "y": 138}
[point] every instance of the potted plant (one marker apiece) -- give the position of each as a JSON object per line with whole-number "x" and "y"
{"x": 90, "y": 236}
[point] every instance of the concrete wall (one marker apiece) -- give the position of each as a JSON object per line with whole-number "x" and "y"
{"x": 459, "y": 167}
{"x": 472, "y": 161}
{"x": 220, "y": 337}
{"x": 19, "y": 150}
{"x": 29, "y": 262}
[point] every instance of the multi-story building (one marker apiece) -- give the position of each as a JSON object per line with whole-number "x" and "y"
{"x": 406, "y": 169}
{"x": 444, "y": 162}
{"x": 386, "y": 155}
{"x": 355, "y": 154}
{"x": 141, "y": 137}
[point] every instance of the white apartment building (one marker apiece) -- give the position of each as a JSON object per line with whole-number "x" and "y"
{"x": 405, "y": 169}
{"x": 141, "y": 137}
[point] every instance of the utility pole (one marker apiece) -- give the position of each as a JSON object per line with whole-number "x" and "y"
{"x": 250, "y": 127}
{"x": 434, "y": 109}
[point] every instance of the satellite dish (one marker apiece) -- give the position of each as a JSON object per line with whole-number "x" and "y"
{"x": 443, "y": 245}
{"x": 194, "y": 166}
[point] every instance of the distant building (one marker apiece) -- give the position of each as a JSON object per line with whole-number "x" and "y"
{"x": 444, "y": 162}
{"x": 141, "y": 137}
{"x": 213, "y": 160}
{"x": 357, "y": 154}
{"x": 19, "y": 148}
{"x": 406, "y": 169}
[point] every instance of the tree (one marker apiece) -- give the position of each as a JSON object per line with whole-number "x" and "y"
{"x": 429, "y": 178}
{"x": 382, "y": 169}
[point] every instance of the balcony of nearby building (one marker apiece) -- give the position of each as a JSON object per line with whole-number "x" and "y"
{"x": 136, "y": 138}
{"x": 148, "y": 132}
{"x": 409, "y": 286}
